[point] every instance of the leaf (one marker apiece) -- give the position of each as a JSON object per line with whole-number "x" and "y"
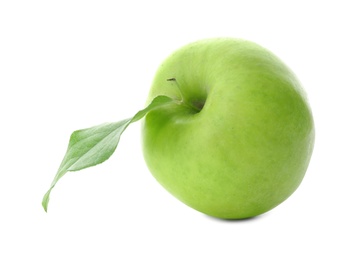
{"x": 92, "y": 146}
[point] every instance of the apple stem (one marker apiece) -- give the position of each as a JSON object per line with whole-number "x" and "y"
{"x": 177, "y": 84}
{"x": 189, "y": 104}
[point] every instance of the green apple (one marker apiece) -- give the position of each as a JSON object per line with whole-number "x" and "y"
{"x": 227, "y": 130}
{"x": 239, "y": 139}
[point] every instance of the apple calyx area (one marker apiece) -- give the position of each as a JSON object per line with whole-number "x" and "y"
{"x": 195, "y": 105}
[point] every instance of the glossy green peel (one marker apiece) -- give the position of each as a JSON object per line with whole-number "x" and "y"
{"x": 246, "y": 149}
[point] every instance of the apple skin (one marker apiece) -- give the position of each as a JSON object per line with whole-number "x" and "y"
{"x": 239, "y": 140}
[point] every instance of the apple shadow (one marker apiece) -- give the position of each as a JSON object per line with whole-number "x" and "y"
{"x": 243, "y": 220}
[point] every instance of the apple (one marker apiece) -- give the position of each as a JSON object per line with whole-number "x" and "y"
{"x": 239, "y": 139}
{"x": 227, "y": 130}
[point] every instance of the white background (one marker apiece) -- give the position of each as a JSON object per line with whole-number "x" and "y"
{"x": 67, "y": 65}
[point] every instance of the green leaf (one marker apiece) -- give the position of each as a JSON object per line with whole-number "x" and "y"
{"x": 92, "y": 146}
